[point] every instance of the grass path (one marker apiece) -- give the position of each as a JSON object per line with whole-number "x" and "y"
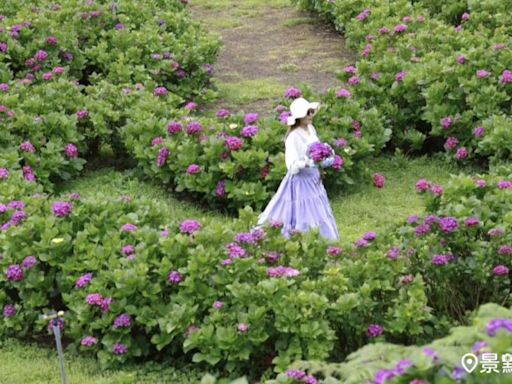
{"x": 268, "y": 47}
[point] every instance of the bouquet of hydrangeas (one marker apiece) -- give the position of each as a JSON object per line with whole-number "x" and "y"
{"x": 322, "y": 154}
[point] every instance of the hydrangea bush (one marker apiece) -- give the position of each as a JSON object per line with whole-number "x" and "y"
{"x": 439, "y": 81}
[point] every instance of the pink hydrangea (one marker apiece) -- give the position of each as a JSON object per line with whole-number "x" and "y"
{"x": 243, "y": 327}
{"x": 462, "y": 153}
{"x": 400, "y": 28}
{"x": 83, "y": 281}
{"x": 383, "y": 30}
{"x": 89, "y": 341}
{"x": 363, "y": 15}
{"x": 175, "y": 277}
{"x": 14, "y": 273}
{"x": 119, "y": 349}
{"x": 220, "y": 189}
{"x": 191, "y": 106}
{"x": 174, "y": 128}
{"x": 163, "y": 154}
{"x": 82, "y": 114}
{"x": 292, "y": 93}
{"x": 422, "y": 185}
{"x": 461, "y": 59}
{"x": 62, "y": 208}
{"x": 193, "y": 169}
{"x": 128, "y": 228}
{"x": 374, "y": 330}
{"x": 451, "y": 143}
{"x": 251, "y": 118}
{"x": 338, "y": 162}
{"x": 160, "y": 91}
{"x": 400, "y": 76}
{"x": 281, "y": 271}
{"x": 506, "y": 77}
{"x": 234, "y": 143}
{"x": 71, "y": 151}
{"x": 350, "y": 69}
{"x": 446, "y": 122}
{"x": 223, "y": 113}
{"x": 4, "y": 174}
{"x": 190, "y": 226}
{"x": 194, "y": 128}
{"x": 343, "y": 93}
{"x": 354, "y": 80}
{"x": 334, "y": 251}
{"x": 249, "y": 131}
{"x": 500, "y": 270}
{"x": 378, "y": 180}
{"x": 481, "y": 73}
{"x": 437, "y": 190}
{"x": 27, "y": 146}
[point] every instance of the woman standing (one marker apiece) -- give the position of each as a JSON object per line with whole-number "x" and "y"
{"x": 301, "y": 202}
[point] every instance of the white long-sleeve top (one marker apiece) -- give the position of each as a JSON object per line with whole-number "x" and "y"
{"x": 296, "y": 146}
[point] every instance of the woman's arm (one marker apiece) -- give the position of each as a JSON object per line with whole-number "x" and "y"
{"x": 295, "y": 162}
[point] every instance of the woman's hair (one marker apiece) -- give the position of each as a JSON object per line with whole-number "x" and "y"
{"x": 291, "y": 128}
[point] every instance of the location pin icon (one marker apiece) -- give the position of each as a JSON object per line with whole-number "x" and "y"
{"x": 469, "y": 362}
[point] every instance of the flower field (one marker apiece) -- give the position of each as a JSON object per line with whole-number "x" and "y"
{"x": 400, "y": 305}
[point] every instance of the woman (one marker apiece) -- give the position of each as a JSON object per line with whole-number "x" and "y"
{"x": 301, "y": 202}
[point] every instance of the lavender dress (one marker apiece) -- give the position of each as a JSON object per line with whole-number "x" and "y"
{"x": 301, "y": 202}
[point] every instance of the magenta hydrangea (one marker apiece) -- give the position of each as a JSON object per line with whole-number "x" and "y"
{"x": 400, "y": 76}
{"x": 128, "y": 250}
{"x": 500, "y": 270}
{"x": 338, "y": 162}
{"x": 479, "y": 132}
{"x": 251, "y": 118}
{"x": 82, "y": 114}
{"x": 160, "y": 91}
{"x": 282, "y": 271}
{"x": 363, "y": 15}
{"x": 462, "y": 153}
{"x": 14, "y": 273}
{"x": 190, "y": 226}
{"x": 393, "y": 253}
{"x": 29, "y": 262}
{"x": 442, "y": 259}
{"x": 249, "y": 131}
{"x": 194, "y": 128}
{"x": 128, "y": 227}
{"x": 174, "y": 127}
{"x": 334, "y": 251}
{"x": 235, "y": 251}
{"x": 83, "y": 281}
{"x": 123, "y": 321}
{"x": 292, "y": 93}
{"x": 446, "y": 122}
{"x": 482, "y": 73}
{"x": 448, "y": 224}
{"x": 243, "y": 327}
{"x": 422, "y": 229}
{"x": 343, "y": 93}
{"x": 378, "y": 180}
{"x": 451, "y": 143}
{"x": 374, "y": 330}
{"x": 89, "y": 341}
{"x": 193, "y": 169}
{"x": 505, "y": 250}
{"x": 162, "y": 157}
{"x": 422, "y": 185}
{"x": 437, "y": 190}
{"x": 504, "y": 184}
{"x": 234, "y": 143}
{"x": 175, "y": 277}
{"x": 223, "y": 113}
{"x": 27, "y": 146}
{"x": 9, "y": 310}
{"x": 471, "y": 222}
{"x": 41, "y": 55}
{"x": 71, "y": 151}
{"x": 400, "y": 28}
{"x": 4, "y": 174}
{"x": 62, "y": 208}
{"x": 119, "y": 349}
{"x": 218, "y": 304}
{"x": 506, "y": 77}
{"x": 383, "y": 30}
{"x": 220, "y": 189}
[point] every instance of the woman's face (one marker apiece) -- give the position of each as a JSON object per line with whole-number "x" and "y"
{"x": 308, "y": 119}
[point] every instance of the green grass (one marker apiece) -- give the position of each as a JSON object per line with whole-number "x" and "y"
{"x": 109, "y": 182}
{"x": 299, "y": 21}
{"x": 247, "y": 91}
{"x": 362, "y": 207}
{"x": 226, "y": 5}
{"x": 30, "y": 364}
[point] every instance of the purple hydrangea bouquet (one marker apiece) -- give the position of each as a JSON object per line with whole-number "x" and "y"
{"x": 321, "y": 153}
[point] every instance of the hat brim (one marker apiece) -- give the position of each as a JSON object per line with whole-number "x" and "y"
{"x": 314, "y": 106}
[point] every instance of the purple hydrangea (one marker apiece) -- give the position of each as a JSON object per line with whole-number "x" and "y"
{"x": 446, "y": 122}
{"x": 14, "y": 273}
{"x": 160, "y": 91}
{"x": 249, "y": 131}
{"x": 243, "y": 327}
{"x": 343, "y": 93}
{"x": 370, "y": 236}
{"x": 234, "y": 143}
{"x": 89, "y": 341}
{"x": 505, "y": 184}
{"x": 338, "y": 162}
{"x": 62, "y": 208}
{"x": 41, "y": 55}
{"x": 383, "y": 30}
{"x": 500, "y": 270}
{"x": 220, "y": 189}
{"x": 495, "y": 325}
{"x": 94, "y": 299}
{"x": 451, "y": 143}
{"x": 363, "y": 15}
{"x": 119, "y": 349}
{"x": 479, "y": 132}
{"x": 362, "y": 243}
{"x": 374, "y": 330}
{"x": 4, "y": 174}
{"x": 9, "y": 310}
{"x": 400, "y": 28}
{"x": 163, "y": 155}
{"x": 296, "y": 374}
{"x": 251, "y": 118}
{"x": 194, "y": 128}
{"x": 190, "y": 226}
{"x": 482, "y": 73}
{"x": 442, "y": 259}
{"x": 281, "y": 271}
{"x": 431, "y": 353}
{"x": 506, "y": 77}
{"x": 174, "y": 127}
{"x": 505, "y": 250}
{"x": 223, "y": 113}
{"x": 350, "y": 69}
{"x": 157, "y": 141}
{"x": 175, "y": 277}
{"x": 292, "y": 93}
{"x": 28, "y": 262}
{"x": 334, "y": 251}
{"x": 27, "y": 146}
{"x": 235, "y": 251}
{"x": 128, "y": 228}
{"x": 462, "y": 153}
{"x": 354, "y": 80}
{"x": 471, "y": 222}
{"x": 448, "y": 224}
{"x": 193, "y": 169}
{"x": 123, "y": 321}
{"x": 4, "y": 87}
{"x": 319, "y": 151}
{"x": 393, "y": 253}
{"x": 340, "y": 143}
{"x": 128, "y": 250}
{"x": 283, "y": 117}
{"x": 71, "y": 151}
{"x": 82, "y": 114}
{"x": 218, "y": 304}
{"x": 412, "y": 219}
{"x": 422, "y": 185}
{"x": 83, "y": 281}
{"x": 400, "y": 76}
{"x": 271, "y": 257}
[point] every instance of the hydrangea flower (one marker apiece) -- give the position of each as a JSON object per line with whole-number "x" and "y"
{"x": 505, "y": 250}
{"x": 190, "y": 226}
{"x": 128, "y": 250}
{"x": 471, "y": 222}
{"x": 82, "y": 114}
{"x": 220, "y": 189}
{"x": 243, "y": 327}
{"x": 235, "y": 251}
{"x": 27, "y": 146}
{"x": 223, "y": 113}
{"x": 378, "y": 180}
{"x": 62, "y": 208}
{"x": 218, "y": 304}
{"x": 119, "y": 349}
{"x": 29, "y": 262}
{"x": 334, "y": 251}
{"x": 437, "y": 190}
{"x": 400, "y": 28}
{"x": 234, "y": 143}
{"x": 400, "y": 76}
{"x": 292, "y": 93}
{"x": 442, "y": 259}
{"x": 495, "y": 325}
{"x": 374, "y": 330}
{"x": 448, "y": 224}
{"x": 363, "y": 15}
{"x": 194, "y": 128}
{"x": 174, "y": 128}
{"x": 281, "y": 271}
{"x": 14, "y": 273}
{"x": 343, "y": 93}
{"x": 129, "y": 228}
{"x": 9, "y": 310}
{"x": 193, "y": 169}
{"x": 71, "y": 151}
{"x": 160, "y": 91}
{"x": 500, "y": 270}
{"x": 479, "y": 132}
{"x": 89, "y": 341}
{"x": 506, "y": 77}
{"x": 249, "y": 131}
{"x": 482, "y": 73}
{"x": 163, "y": 155}
{"x": 393, "y": 253}
{"x": 462, "y": 153}
{"x": 251, "y": 118}
{"x": 422, "y": 185}
{"x": 4, "y": 174}
{"x": 83, "y": 281}
{"x": 338, "y": 162}
{"x": 123, "y": 321}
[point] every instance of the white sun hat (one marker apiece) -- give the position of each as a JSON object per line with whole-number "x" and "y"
{"x": 299, "y": 109}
